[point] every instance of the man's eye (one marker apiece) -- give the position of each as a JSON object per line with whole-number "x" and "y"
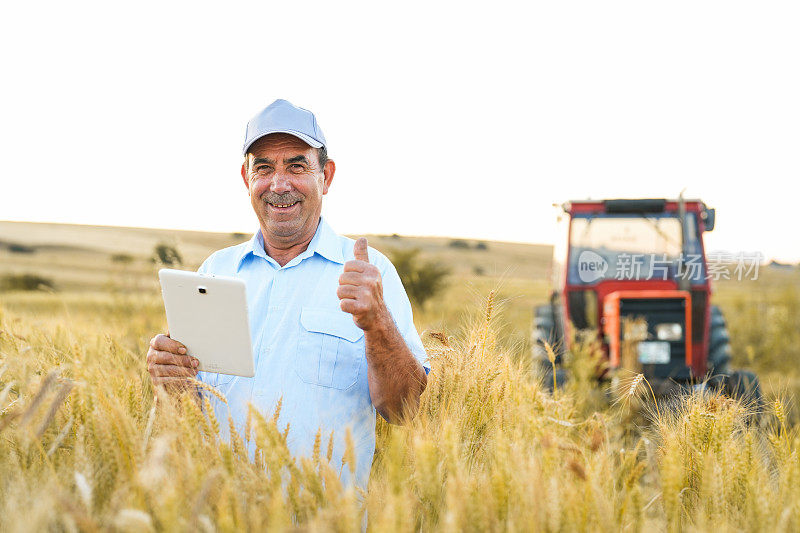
{"x": 262, "y": 169}
{"x": 296, "y": 168}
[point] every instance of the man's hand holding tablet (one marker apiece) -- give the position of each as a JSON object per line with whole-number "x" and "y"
{"x": 168, "y": 363}
{"x": 208, "y": 316}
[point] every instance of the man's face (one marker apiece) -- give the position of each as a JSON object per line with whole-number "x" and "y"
{"x": 286, "y": 185}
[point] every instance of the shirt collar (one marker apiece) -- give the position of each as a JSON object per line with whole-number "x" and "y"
{"x": 328, "y": 243}
{"x": 325, "y": 242}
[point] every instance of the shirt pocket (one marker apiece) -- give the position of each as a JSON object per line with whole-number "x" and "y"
{"x": 330, "y": 348}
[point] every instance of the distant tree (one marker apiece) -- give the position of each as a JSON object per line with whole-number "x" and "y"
{"x": 422, "y": 281}
{"x": 167, "y": 255}
{"x": 480, "y": 245}
{"x": 458, "y": 243}
{"x": 25, "y": 282}
{"x": 478, "y": 270}
{"x": 238, "y": 236}
{"x": 396, "y": 236}
{"x": 123, "y": 259}
{"x": 16, "y": 248}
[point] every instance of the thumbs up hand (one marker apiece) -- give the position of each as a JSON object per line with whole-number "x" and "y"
{"x": 360, "y": 250}
{"x": 361, "y": 291}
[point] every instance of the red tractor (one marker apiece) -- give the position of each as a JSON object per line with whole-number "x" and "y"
{"x": 641, "y": 258}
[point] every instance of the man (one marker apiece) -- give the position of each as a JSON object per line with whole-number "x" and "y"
{"x": 332, "y": 329}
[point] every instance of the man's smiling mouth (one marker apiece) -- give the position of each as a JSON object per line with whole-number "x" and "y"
{"x": 284, "y": 205}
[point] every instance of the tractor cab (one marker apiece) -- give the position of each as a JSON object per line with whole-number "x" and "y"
{"x": 638, "y": 258}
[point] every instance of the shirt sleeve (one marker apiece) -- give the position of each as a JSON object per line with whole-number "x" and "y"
{"x": 399, "y": 305}
{"x": 203, "y": 268}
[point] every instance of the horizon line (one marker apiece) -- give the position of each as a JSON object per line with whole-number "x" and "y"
{"x": 117, "y": 226}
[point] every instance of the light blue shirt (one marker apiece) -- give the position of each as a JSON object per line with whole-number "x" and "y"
{"x": 306, "y": 349}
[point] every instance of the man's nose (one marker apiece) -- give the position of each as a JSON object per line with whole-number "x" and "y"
{"x": 280, "y": 183}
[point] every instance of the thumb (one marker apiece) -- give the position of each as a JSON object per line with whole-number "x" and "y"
{"x": 360, "y": 250}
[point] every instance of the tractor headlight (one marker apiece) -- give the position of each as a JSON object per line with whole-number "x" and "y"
{"x": 669, "y": 332}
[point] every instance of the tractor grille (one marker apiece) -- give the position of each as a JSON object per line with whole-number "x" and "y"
{"x": 659, "y": 311}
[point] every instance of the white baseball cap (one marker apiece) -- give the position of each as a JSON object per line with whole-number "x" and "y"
{"x": 281, "y": 116}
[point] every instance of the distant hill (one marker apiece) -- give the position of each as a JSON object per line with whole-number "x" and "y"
{"x": 79, "y": 257}
{"x": 783, "y": 266}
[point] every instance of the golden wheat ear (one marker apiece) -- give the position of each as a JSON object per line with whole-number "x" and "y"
{"x": 206, "y": 387}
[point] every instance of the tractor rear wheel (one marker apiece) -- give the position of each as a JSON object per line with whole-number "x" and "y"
{"x": 743, "y": 385}
{"x": 719, "y": 344}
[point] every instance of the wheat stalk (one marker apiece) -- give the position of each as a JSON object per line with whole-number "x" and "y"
{"x": 61, "y": 395}
{"x": 551, "y": 356}
{"x": 439, "y": 336}
{"x": 316, "y": 450}
{"x": 151, "y": 418}
{"x": 637, "y": 380}
{"x": 349, "y": 456}
{"x": 61, "y": 436}
{"x": 40, "y": 394}
{"x": 248, "y": 426}
{"x": 489, "y": 307}
{"x": 205, "y": 386}
{"x": 329, "y": 451}
{"x": 780, "y": 413}
{"x": 5, "y": 392}
{"x": 212, "y": 418}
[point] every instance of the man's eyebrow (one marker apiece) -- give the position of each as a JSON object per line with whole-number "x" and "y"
{"x": 260, "y": 160}
{"x": 296, "y": 159}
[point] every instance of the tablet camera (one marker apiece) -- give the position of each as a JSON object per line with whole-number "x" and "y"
{"x": 201, "y": 290}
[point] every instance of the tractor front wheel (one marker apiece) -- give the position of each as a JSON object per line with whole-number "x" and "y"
{"x": 544, "y": 330}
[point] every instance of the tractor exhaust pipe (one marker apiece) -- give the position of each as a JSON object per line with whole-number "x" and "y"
{"x": 683, "y": 280}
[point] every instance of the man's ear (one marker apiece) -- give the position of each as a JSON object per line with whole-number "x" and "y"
{"x": 328, "y": 171}
{"x": 244, "y": 177}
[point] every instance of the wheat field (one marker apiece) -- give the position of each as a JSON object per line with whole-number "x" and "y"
{"x": 86, "y": 444}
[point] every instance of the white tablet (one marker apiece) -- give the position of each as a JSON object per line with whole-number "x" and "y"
{"x": 208, "y": 314}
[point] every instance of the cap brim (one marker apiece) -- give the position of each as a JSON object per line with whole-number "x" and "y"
{"x": 313, "y": 143}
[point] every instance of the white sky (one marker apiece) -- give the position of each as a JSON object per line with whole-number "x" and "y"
{"x": 459, "y": 119}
